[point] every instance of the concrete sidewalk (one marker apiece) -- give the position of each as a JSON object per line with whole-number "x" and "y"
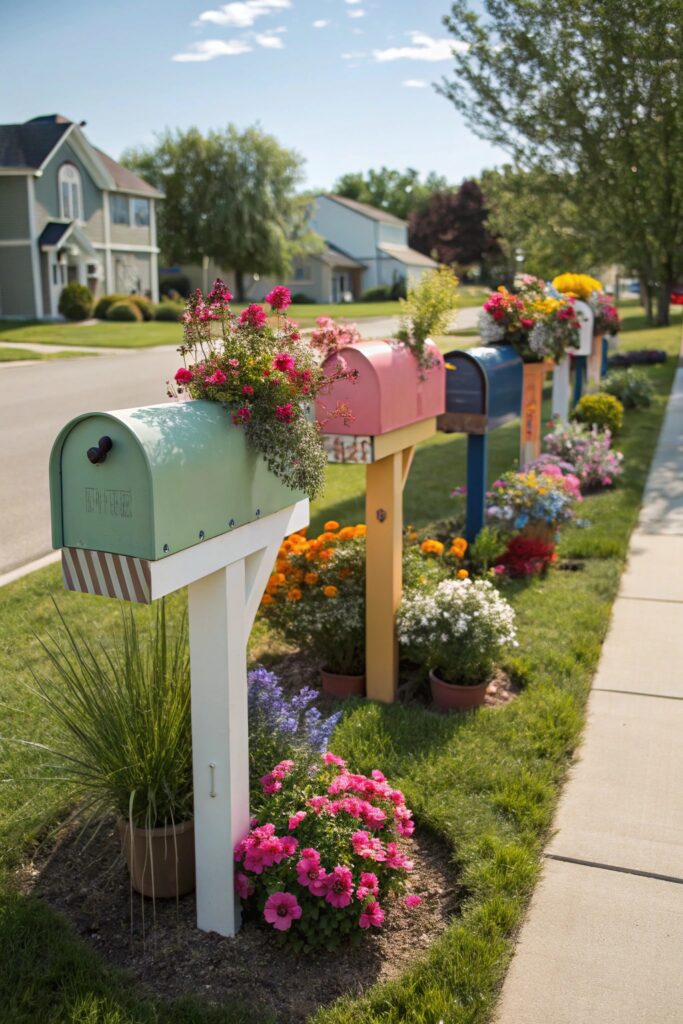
{"x": 603, "y": 940}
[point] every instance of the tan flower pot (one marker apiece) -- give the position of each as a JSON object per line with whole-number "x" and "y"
{"x": 160, "y": 860}
{"x": 450, "y": 697}
{"x": 342, "y": 687}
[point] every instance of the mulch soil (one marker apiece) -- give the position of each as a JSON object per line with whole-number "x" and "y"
{"x": 84, "y": 877}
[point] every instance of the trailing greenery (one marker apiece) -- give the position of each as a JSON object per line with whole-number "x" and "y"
{"x": 485, "y": 784}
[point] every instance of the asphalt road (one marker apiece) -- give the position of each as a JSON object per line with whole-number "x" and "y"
{"x": 39, "y": 398}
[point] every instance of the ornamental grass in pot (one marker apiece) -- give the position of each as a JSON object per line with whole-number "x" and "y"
{"x": 457, "y": 631}
{"x": 123, "y": 711}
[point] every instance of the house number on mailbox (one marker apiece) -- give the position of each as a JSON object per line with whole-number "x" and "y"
{"x": 109, "y": 502}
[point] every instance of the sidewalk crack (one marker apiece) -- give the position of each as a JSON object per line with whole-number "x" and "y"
{"x": 615, "y": 867}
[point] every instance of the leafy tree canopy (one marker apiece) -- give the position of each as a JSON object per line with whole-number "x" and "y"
{"x": 452, "y": 227}
{"x": 231, "y": 196}
{"x": 397, "y": 192}
{"x": 594, "y": 92}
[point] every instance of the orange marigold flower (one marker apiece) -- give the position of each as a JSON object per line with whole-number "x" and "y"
{"x": 294, "y": 594}
{"x": 460, "y": 542}
{"x": 282, "y": 565}
{"x": 327, "y": 537}
{"x": 298, "y": 575}
{"x": 325, "y": 556}
{"x": 311, "y": 578}
{"x": 330, "y": 591}
{"x": 462, "y": 574}
{"x": 267, "y": 599}
{"x": 279, "y": 577}
{"x": 431, "y": 547}
{"x": 361, "y": 530}
{"x": 331, "y": 524}
{"x": 348, "y": 533}
{"x": 311, "y": 556}
{"x": 345, "y": 573}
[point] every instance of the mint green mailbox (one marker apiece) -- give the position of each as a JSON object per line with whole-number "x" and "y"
{"x": 153, "y": 481}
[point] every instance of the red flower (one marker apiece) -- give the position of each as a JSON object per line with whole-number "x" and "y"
{"x": 254, "y": 316}
{"x": 284, "y": 362}
{"x": 280, "y": 297}
{"x": 285, "y": 413}
{"x": 219, "y": 292}
{"x": 218, "y": 377}
{"x": 183, "y": 376}
{"x": 242, "y": 415}
{"x": 247, "y": 390}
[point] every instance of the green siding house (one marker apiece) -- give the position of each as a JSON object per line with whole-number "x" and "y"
{"x": 68, "y": 212}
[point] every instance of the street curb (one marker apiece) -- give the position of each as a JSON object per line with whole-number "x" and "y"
{"x": 25, "y": 570}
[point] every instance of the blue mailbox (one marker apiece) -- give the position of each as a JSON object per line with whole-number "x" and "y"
{"x": 483, "y": 391}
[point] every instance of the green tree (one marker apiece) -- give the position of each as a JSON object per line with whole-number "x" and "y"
{"x": 593, "y": 91}
{"x": 230, "y": 195}
{"x": 397, "y": 192}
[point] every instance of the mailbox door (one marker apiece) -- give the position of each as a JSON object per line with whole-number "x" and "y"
{"x": 108, "y": 506}
{"x": 505, "y": 371}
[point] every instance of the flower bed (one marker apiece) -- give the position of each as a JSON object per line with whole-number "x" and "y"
{"x": 585, "y": 451}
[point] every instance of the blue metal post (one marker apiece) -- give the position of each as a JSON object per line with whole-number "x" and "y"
{"x": 477, "y": 466}
{"x": 579, "y": 376}
{"x": 605, "y": 356}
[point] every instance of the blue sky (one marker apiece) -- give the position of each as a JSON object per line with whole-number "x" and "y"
{"x": 347, "y": 83}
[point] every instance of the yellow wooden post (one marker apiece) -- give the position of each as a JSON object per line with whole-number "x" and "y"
{"x": 384, "y": 573}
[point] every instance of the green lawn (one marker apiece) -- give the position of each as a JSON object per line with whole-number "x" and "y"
{"x": 486, "y": 783}
{"x": 13, "y": 355}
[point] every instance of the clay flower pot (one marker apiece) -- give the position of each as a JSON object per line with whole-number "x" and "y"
{"x": 342, "y": 686}
{"x": 160, "y": 860}
{"x": 450, "y": 697}
{"x": 545, "y": 532}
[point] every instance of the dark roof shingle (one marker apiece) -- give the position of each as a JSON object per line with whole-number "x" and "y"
{"x": 25, "y": 146}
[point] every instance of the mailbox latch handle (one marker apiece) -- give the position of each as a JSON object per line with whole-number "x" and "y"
{"x": 99, "y": 454}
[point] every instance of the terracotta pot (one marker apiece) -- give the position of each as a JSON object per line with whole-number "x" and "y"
{"x": 450, "y": 697}
{"x": 342, "y": 686}
{"x": 160, "y": 860}
{"x": 540, "y": 531}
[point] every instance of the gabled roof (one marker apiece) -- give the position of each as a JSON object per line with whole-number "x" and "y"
{"x": 56, "y": 232}
{"x": 26, "y": 147}
{"x": 365, "y": 209}
{"x": 335, "y": 257}
{"x": 404, "y": 254}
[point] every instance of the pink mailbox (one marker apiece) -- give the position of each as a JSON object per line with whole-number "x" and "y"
{"x": 390, "y": 391}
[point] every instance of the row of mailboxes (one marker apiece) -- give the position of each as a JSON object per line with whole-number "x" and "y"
{"x": 483, "y": 389}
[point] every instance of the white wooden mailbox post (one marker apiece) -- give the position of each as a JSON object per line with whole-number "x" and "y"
{"x": 144, "y": 502}
{"x": 561, "y": 376}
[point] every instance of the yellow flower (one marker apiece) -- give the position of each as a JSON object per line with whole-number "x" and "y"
{"x": 331, "y": 524}
{"x": 330, "y": 591}
{"x": 361, "y": 530}
{"x": 462, "y": 574}
{"x": 294, "y": 594}
{"x": 579, "y": 285}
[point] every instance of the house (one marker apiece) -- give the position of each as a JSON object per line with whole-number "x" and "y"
{"x": 68, "y": 212}
{"x": 363, "y": 247}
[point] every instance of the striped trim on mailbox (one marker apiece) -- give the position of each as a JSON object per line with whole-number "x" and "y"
{"x": 99, "y": 572}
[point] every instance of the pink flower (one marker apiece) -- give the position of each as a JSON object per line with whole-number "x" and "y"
{"x": 289, "y": 845}
{"x": 412, "y": 900}
{"x": 270, "y": 784}
{"x": 281, "y": 909}
{"x": 282, "y": 769}
{"x": 330, "y": 758}
{"x": 284, "y": 362}
{"x": 369, "y": 880}
{"x": 254, "y": 316}
{"x": 319, "y": 803}
{"x": 247, "y": 390}
{"x": 312, "y": 876}
{"x": 372, "y": 915}
{"x": 242, "y": 415}
{"x": 339, "y": 887}
{"x": 217, "y": 378}
{"x": 311, "y": 854}
{"x": 285, "y": 413}
{"x": 295, "y": 335}
{"x": 280, "y": 297}
{"x": 526, "y": 322}
{"x": 244, "y": 887}
{"x": 219, "y": 292}
{"x": 183, "y": 376}
{"x": 296, "y": 820}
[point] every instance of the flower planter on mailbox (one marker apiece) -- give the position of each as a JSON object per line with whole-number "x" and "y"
{"x": 393, "y": 406}
{"x": 483, "y": 391}
{"x": 144, "y": 502}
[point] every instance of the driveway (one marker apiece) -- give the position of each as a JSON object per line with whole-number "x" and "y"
{"x": 39, "y": 398}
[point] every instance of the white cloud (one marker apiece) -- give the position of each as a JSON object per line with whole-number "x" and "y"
{"x": 321, "y": 23}
{"x": 209, "y": 49}
{"x": 423, "y": 48}
{"x": 270, "y": 40}
{"x": 356, "y": 12}
{"x": 415, "y": 83}
{"x": 243, "y": 13}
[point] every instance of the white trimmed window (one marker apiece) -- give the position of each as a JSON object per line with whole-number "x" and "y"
{"x": 141, "y": 213}
{"x": 120, "y": 209}
{"x": 70, "y": 192}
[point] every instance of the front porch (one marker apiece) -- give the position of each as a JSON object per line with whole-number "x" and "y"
{"x": 66, "y": 255}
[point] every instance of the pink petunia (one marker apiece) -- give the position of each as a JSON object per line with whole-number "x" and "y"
{"x": 296, "y": 820}
{"x": 312, "y": 876}
{"x": 281, "y": 909}
{"x": 369, "y": 880}
{"x": 244, "y": 887}
{"x": 289, "y": 845}
{"x": 183, "y": 376}
{"x": 412, "y": 901}
{"x": 283, "y": 362}
{"x": 279, "y": 298}
{"x": 339, "y": 887}
{"x": 218, "y": 377}
{"x": 254, "y": 316}
{"x": 372, "y": 915}
{"x": 330, "y": 758}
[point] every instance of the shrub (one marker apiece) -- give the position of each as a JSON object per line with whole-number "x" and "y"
{"x": 124, "y": 311}
{"x": 281, "y": 726}
{"x": 173, "y": 284}
{"x": 602, "y": 411}
{"x": 587, "y": 452}
{"x": 486, "y": 549}
{"x": 143, "y": 304}
{"x": 75, "y": 302}
{"x": 168, "y": 311}
{"x": 125, "y": 709}
{"x": 457, "y": 630}
{"x": 323, "y": 852}
{"x": 638, "y": 357}
{"x": 104, "y": 303}
{"x": 300, "y": 299}
{"x": 399, "y": 289}
{"x": 427, "y": 311}
{"x": 633, "y": 388}
{"x": 380, "y": 293}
